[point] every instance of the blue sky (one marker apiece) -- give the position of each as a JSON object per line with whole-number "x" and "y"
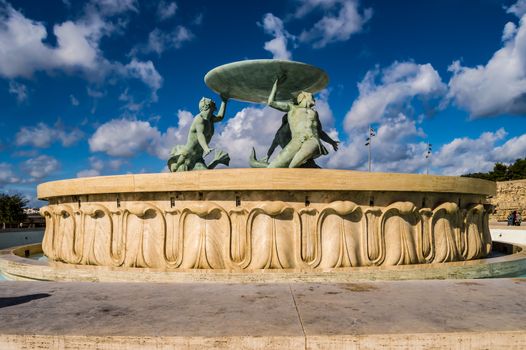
{"x": 104, "y": 87}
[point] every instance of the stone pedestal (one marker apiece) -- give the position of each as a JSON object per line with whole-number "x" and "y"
{"x": 253, "y": 219}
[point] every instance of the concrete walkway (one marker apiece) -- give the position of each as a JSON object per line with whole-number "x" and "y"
{"x": 466, "y": 314}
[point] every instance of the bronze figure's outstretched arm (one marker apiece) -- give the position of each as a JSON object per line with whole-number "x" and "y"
{"x": 221, "y": 114}
{"x": 282, "y": 106}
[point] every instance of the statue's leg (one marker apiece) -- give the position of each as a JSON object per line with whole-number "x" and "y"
{"x": 284, "y": 157}
{"x": 309, "y": 149}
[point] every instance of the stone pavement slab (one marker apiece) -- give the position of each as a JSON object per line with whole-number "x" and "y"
{"x": 465, "y": 314}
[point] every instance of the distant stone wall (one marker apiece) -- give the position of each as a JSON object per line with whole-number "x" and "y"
{"x": 511, "y": 195}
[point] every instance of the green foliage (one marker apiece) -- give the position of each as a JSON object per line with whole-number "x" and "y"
{"x": 501, "y": 172}
{"x": 12, "y": 209}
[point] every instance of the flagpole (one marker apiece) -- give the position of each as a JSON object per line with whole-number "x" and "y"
{"x": 369, "y": 147}
{"x": 428, "y": 157}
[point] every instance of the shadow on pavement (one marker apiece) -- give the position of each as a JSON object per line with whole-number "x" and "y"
{"x": 10, "y": 301}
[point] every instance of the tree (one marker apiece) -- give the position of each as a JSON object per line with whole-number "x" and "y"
{"x": 501, "y": 172}
{"x": 12, "y": 209}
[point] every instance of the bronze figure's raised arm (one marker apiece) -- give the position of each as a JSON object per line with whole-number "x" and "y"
{"x": 303, "y": 130}
{"x": 191, "y": 155}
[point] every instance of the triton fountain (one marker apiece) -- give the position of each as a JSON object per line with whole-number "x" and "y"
{"x": 284, "y": 220}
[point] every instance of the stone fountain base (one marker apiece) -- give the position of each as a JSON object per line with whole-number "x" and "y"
{"x": 259, "y": 219}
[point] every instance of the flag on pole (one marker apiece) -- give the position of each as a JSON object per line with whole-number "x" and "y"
{"x": 371, "y": 134}
{"x": 429, "y": 149}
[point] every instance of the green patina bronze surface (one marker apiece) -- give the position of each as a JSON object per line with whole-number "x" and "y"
{"x": 191, "y": 155}
{"x": 300, "y": 133}
{"x": 303, "y": 144}
{"x": 251, "y": 80}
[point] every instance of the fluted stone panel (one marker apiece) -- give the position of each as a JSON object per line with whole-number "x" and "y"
{"x": 251, "y": 230}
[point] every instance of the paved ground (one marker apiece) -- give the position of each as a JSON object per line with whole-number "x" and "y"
{"x": 465, "y": 314}
{"x": 504, "y": 225}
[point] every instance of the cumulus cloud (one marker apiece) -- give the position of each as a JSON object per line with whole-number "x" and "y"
{"x": 40, "y": 167}
{"x": 342, "y": 19}
{"x": 398, "y": 146}
{"x": 88, "y": 173}
{"x": 511, "y": 150}
{"x": 387, "y": 92}
{"x": 98, "y": 166}
{"x": 113, "y": 7}
{"x": 126, "y": 138}
{"x": 250, "y": 127}
{"x": 159, "y": 41}
{"x": 518, "y": 9}
{"x": 43, "y": 136}
{"x": 146, "y": 72}
{"x": 26, "y": 52}
{"x": 499, "y": 87}
{"x": 467, "y": 155}
{"x": 7, "y": 175}
{"x": 335, "y": 25}
{"x": 272, "y": 25}
{"x": 166, "y": 9}
{"x": 19, "y": 90}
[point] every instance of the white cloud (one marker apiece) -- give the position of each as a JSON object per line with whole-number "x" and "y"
{"x": 467, "y": 155}
{"x": 511, "y": 150}
{"x": 88, "y": 173}
{"x": 166, "y": 9}
{"x": 95, "y": 93}
{"x": 398, "y": 146}
{"x": 126, "y": 138}
{"x": 19, "y": 90}
{"x": 518, "y": 9}
{"x": 159, "y": 41}
{"x": 24, "y": 51}
{"x": 146, "y": 72}
{"x": 499, "y": 87}
{"x": 272, "y": 25}
{"x": 43, "y": 136}
{"x": 333, "y": 27}
{"x": 98, "y": 166}
{"x": 40, "y": 167}
{"x": 510, "y": 29}
{"x": 114, "y": 7}
{"x": 250, "y": 127}
{"x": 397, "y": 86}
{"x": 7, "y": 175}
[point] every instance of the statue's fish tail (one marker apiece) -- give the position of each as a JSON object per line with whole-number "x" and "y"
{"x": 254, "y": 163}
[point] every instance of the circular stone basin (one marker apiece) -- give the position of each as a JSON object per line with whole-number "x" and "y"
{"x": 252, "y": 80}
{"x": 261, "y": 219}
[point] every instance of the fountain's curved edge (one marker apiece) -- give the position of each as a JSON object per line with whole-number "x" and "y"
{"x": 251, "y": 219}
{"x": 15, "y": 266}
{"x": 264, "y": 180}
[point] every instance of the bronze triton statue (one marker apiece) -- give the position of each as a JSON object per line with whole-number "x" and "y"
{"x": 191, "y": 156}
{"x": 300, "y": 134}
{"x": 304, "y": 143}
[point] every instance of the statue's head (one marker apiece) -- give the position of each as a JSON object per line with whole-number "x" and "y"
{"x": 207, "y": 105}
{"x": 305, "y": 99}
